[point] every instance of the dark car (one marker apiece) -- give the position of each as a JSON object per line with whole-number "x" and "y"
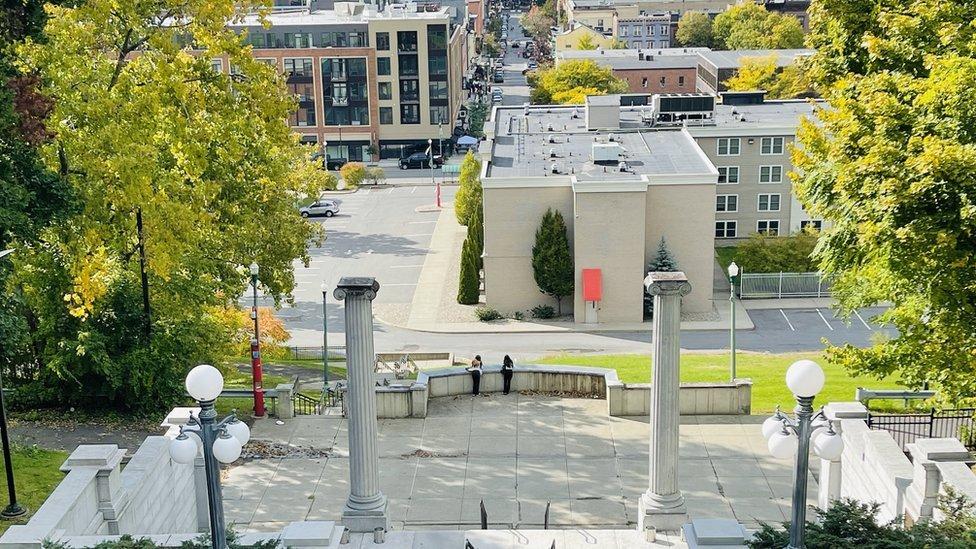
{"x": 419, "y": 160}
{"x": 498, "y": 78}
{"x": 331, "y": 163}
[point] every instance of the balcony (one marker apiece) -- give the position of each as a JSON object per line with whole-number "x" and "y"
{"x": 340, "y": 101}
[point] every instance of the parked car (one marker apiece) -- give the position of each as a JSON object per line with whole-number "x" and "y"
{"x": 419, "y": 160}
{"x": 331, "y": 163}
{"x": 515, "y": 44}
{"x": 533, "y": 65}
{"x": 325, "y": 207}
{"x": 498, "y": 78}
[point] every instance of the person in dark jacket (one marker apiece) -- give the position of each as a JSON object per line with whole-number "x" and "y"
{"x": 475, "y": 370}
{"x": 508, "y": 370}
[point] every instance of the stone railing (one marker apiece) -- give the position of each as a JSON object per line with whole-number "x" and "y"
{"x": 874, "y": 469}
{"x": 410, "y": 399}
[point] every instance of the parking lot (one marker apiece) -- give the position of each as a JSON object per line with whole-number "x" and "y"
{"x": 817, "y": 319}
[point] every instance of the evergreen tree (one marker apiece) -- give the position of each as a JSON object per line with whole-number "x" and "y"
{"x": 476, "y": 235}
{"x": 552, "y": 260}
{"x": 468, "y": 197}
{"x": 663, "y": 262}
{"x": 468, "y": 282}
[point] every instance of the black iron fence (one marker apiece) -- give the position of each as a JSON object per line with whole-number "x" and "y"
{"x": 309, "y": 353}
{"x": 905, "y": 428}
{"x": 332, "y": 397}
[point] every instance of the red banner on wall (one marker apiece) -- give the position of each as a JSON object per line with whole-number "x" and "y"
{"x": 592, "y": 285}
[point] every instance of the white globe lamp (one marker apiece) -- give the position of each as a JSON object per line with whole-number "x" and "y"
{"x": 183, "y": 449}
{"x": 204, "y": 383}
{"x": 829, "y": 446}
{"x": 227, "y": 448}
{"x": 805, "y": 378}
{"x": 782, "y": 445}
{"x": 772, "y": 425}
{"x": 239, "y": 430}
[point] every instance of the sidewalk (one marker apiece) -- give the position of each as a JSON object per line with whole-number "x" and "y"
{"x": 434, "y": 308}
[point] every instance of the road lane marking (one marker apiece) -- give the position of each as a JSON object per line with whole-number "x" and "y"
{"x": 822, "y": 317}
{"x": 859, "y": 317}
{"x": 787, "y": 319}
{"x": 413, "y": 190}
{"x": 401, "y": 284}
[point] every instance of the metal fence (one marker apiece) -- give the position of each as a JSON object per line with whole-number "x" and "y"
{"x": 779, "y": 285}
{"x": 305, "y": 405}
{"x": 905, "y": 428}
{"x": 311, "y": 353}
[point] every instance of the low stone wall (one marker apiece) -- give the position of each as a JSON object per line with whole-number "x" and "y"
{"x": 874, "y": 469}
{"x": 623, "y": 399}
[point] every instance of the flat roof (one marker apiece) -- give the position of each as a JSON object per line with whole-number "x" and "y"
{"x": 522, "y": 148}
{"x": 628, "y": 52}
{"x": 732, "y": 59}
{"x": 325, "y": 17}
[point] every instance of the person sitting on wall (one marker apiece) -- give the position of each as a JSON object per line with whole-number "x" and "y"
{"x": 475, "y": 370}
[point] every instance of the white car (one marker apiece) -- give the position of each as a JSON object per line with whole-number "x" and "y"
{"x": 328, "y": 208}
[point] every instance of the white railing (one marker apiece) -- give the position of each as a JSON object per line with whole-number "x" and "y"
{"x": 780, "y": 285}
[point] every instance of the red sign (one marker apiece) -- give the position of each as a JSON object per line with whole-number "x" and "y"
{"x": 592, "y": 285}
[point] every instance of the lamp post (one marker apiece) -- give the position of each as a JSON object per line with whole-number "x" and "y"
{"x": 325, "y": 340}
{"x": 257, "y": 375}
{"x": 13, "y": 509}
{"x": 325, "y": 153}
{"x": 220, "y": 441}
{"x": 437, "y": 191}
{"x": 787, "y": 437}
{"x": 733, "y": 272}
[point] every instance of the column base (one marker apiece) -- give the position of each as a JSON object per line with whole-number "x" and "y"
{"x": 365, "y": 517}
{"x": 663, "y": 513}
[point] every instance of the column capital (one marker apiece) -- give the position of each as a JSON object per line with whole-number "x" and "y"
{"x": 675, "y": 283}
{"x": 354, "y": 286}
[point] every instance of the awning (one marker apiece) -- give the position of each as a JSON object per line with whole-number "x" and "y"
{"x": 451, "y": 169}
{"x": 467, "y": 141}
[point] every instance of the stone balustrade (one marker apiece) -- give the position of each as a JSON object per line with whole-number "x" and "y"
{"x": 409, "y": 399}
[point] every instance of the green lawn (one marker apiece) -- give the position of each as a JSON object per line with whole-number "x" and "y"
{"x": 725, "y": 255}
{"x": 36, "y": 473}
{"x": 767, "y": 372}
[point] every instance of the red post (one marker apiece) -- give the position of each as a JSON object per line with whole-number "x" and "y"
{"x": 438, "y": 194}
{"x": 257, "y": 376}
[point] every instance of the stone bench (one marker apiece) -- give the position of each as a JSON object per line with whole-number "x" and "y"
{"x": 409, "y": 399}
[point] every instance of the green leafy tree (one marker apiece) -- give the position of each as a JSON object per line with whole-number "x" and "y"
{"x": 748, "y": 25}
{"x": 477, "y": 114}
{"x": 890, "y": 165}
{"x": 572, "y": 80}
{"x": 761, "y": 253}
{"x": 695, "y": 30}
{"x": 585, "y": 43}
{"x": 375, "y": 175}
{"x": 663, "y": 262}
{"x": 353, "y": 173}
{"x": 761, "y": 73}
{"x": 552, "y": 260}
{"x": 468, "y": 197}
{"x": 185, "y": 175}
{"x": 469, "y": 282}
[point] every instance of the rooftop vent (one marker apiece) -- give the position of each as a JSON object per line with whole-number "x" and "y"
{"x": 552, "y": 153}
{"x": 610, "y": 138}
{"x": 552, "y": 139}
{"x": 606, "y": 153}
{"x": 554, "y": 169}
{"x": 623, "y": 166}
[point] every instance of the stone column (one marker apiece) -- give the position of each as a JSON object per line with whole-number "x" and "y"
{"x": 662, "y": 506}
{"x": 830, "y": 470}
{"x": 366, "y": 506}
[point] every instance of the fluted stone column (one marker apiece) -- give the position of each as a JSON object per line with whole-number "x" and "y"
{"x": 366, "y": 506}
{"x": 662, "y": 507}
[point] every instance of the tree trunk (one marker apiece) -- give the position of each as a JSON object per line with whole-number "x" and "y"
{"x": 147, "y": 316}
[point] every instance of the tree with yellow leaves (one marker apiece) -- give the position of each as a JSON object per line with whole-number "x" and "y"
{"x": 761, "y": 73}
{"x": 571, "y": 81}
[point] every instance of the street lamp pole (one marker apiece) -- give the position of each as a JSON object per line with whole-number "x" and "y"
{"x": 325, "y": 340}
{"x": 733, "y": 272}
{"x": 787, "y": 437}
{"x": 13, "y": 509}
{"x": 430, "y": 147}
{"x": 257, "y": 375}
{"x": 220, "y": 441}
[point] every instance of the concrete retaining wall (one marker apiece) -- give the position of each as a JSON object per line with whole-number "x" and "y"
{"x": 622, "y": 399}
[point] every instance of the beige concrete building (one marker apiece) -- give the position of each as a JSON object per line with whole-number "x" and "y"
{"x": 570, "y": 40}
{"x": 625, "y": 171}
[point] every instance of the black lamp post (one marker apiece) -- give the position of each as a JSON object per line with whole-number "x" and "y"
{"x": 13, "y": 509}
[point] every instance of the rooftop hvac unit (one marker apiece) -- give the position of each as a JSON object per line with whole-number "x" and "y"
{"x": 622, "y": 166}
{"x": 606, "y": 153}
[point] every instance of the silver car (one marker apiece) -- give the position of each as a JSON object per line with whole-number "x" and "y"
{"x": 328, "y": 208}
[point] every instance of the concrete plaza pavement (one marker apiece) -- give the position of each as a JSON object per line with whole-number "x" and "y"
{"x": 515, "y": 452}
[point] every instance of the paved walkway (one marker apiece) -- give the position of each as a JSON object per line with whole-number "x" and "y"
{"x": 516, "y": 453}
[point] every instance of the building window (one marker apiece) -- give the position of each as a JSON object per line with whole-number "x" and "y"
{"x": 770, "y": 174}
{"x": 438, "y": 114}
{"x": 436, "y": 37}
{"x": 409, "y": 90}
{"x": 298, "y": 40}
{"x": 728, "y": 146}
{"x": 599, "y": 24}
{"x": 383, "y": 41}
{"x": 681, "y": 81}
{"x": 217, "y": 65}
{"x": 771, "y": 145}
{"x": 623, "y": 32}
{"x": 386, "y": 115}
{"x": 650, "y": 30}
{"x": 410, "y": 114}
{"x": 298, "y": 66}
{"x": 358, "y": 39}
{"x": 637, "y": 30}
{"x": 386, "y": 91}
{"x": 664, "y": 30}
{"x": 769, "y": 202}
{"x": 407, "y": 65}
{"x": 437, "y": 64}
{"x": 256, "y": 39}
{"x": 728, "y": 175}
{"x": 768, "y": 227}
{"x": 383, "y": 66}
{"x": 638, "y": 44}
{"x": 406, "y": 40}
{"x": 811, "y": 224}
{"x": 438, "y": 90}
{"x": 727, "y": 203}
{"x": 308, "y": 139}
{"x": 332, "y": 39}
{"x": 725, "y": 229}
{"x": 644, "y": 82}
{"x": 663, "y": 81}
